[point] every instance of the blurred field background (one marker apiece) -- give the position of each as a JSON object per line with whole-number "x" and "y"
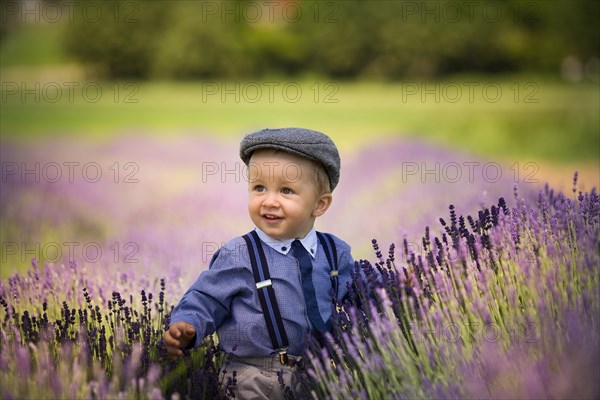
{"x": 158, "y": 95}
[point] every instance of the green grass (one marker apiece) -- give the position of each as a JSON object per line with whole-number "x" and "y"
{"x": 561, "y": 123}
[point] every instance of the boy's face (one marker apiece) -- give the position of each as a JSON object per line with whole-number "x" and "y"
{"x": 284, "y": 199}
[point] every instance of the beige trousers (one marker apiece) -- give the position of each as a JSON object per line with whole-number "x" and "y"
{"x": 257, "y": 378}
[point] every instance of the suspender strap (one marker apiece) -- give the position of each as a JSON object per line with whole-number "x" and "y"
{"x": 266, "y": 294}
{"x": 331, "y": 253}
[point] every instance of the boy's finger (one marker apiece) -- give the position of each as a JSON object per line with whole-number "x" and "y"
{"x": 190, "y": 331}
{"x": 174, "y": 353}
{"x": 175, "y": 331}
{"x": 171, "y": 341}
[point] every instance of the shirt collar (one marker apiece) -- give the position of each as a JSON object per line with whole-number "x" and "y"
{"x": 309, "y": 242}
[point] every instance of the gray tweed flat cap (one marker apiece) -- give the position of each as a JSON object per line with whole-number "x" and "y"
{"x": 303, "y": 142}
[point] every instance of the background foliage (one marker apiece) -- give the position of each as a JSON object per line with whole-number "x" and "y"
{"x": 345, "y": 39}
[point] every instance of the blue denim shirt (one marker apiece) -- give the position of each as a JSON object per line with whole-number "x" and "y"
{"x": 224, "y": 298}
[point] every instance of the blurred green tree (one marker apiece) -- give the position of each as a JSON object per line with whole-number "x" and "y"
{"x": 342, "y": 39}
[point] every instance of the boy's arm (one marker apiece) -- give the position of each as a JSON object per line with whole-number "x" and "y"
{"x": 207, "y": 303}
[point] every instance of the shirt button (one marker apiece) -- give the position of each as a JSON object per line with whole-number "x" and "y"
{"x": 312, "y": 250}
{"x": 283, "y": 248}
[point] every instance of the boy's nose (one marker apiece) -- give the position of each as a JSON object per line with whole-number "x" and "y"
{"x": 271, "y": 201}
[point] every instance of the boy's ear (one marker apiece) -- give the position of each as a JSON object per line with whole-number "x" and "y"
{"x": 322, "y": 204}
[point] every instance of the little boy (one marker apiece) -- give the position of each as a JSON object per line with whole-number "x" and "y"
{"x": 266, "y": 290}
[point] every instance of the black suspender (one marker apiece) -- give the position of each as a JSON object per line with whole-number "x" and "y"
{"x": 266, "y": 294}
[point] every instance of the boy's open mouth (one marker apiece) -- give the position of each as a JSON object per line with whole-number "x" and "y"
{"x": 272, "y": 218}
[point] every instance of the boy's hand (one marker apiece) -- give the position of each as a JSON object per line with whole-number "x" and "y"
{"x": 177, "y": 337}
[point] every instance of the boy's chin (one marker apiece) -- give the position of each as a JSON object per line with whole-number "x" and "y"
{"x": 276, "y": 233}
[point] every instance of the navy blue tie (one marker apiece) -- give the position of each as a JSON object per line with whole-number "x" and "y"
{"x": 307, "y": 285}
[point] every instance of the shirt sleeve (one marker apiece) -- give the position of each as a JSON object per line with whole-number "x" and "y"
{"x": 207, "y": 303}
{"x": 346, "y": 264}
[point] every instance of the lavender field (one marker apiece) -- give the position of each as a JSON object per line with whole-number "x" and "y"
{"x": 100, "y": 239}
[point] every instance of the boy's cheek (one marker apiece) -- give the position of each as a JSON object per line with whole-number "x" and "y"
{"x": 253, "y": 197}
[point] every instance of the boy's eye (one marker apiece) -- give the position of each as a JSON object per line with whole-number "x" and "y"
{"x": 259, "y": 188}
{"x": 286, "y": 191}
